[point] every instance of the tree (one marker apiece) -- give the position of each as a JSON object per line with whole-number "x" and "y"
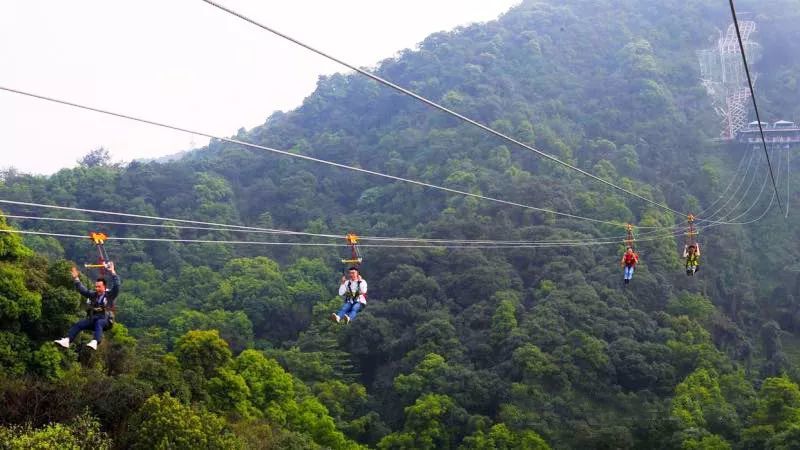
{"x": 276, "y": 395}
{"x": 99, "y": 157}
{"x": 432, "y": 422}
{"x": 699, "y": 404}
{"x": 501, "y": 438}
{"x": 202, "y": 351}
{"x": 272, "y": 389}
{"x": 81, "y": 433}
{"x": 775, "y": 421}
{"x": 163, "y": 422}
{"x": 234, "y": 327}
{"x": 695, "y": 306}
{"x": 228, "y": 393}
{"x": 504, "y": 320}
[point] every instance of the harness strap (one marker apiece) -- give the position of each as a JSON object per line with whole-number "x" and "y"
{"x": 350, "y": 295}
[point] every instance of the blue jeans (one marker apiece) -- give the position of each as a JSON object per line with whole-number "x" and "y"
{"x": 628, "y": 272}
{"x": 96, "y": 323}
{"x": 350, "y": 309}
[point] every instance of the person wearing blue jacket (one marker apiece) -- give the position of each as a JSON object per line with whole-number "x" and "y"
{"x": 100, "y": 304}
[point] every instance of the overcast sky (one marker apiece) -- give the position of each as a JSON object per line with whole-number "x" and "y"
{"x": 183, "y": 62}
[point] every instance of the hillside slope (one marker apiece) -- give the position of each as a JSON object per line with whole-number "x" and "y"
{"x": 466, "y": 348}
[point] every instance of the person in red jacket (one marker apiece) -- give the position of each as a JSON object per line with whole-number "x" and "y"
{"x": 629, "y": 260}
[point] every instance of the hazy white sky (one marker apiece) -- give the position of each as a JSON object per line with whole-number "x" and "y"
{"x": 183, "y": 62}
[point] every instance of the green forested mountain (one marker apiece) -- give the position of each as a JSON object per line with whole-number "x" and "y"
{"x": 229, "y": 346}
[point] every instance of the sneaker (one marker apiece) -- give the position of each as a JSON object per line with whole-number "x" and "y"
{"x": 346, "y": 319}
{"x": 92, "y": 344}
{"x": 63, "y": 342}
{"x": 335, "y": 317}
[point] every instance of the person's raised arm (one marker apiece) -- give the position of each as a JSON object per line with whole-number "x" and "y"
{"x": 114, "y": 291}
{"x": 685, "y": 251}
{"x": 76, "y": 279}
{"x": 343, "y": 286}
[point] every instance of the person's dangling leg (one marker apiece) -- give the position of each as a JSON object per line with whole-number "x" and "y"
{"x": 628, "y": 273}
{"x": 336, "y": 317}
{"x": 99, "y": 325}
{"x": 84, "y": 324}
{"x": 81, "y": 325}
{"x": 353, "y": 311}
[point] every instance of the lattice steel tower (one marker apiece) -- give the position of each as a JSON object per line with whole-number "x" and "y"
{"x": 722, "y": 73}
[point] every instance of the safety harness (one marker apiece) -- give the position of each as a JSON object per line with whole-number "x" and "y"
{"x": 693, "y": 260}
{"x": 102, "y": 306}
{"x": 350, "y": 296}
{"x": 630, "y": 259}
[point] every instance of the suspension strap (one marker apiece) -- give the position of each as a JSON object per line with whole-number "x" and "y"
{"x": 629, "y": 235}
{"x": 102, "y": 257}
{"x": 355, "y": 255}
{"x": 99, "y": 239}
{"x": 691, "y": 233}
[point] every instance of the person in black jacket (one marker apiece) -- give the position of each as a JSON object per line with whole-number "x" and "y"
{"x": 100, "y": 305}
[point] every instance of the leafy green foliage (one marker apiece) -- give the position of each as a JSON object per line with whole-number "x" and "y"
{"x": 501, "y": 438}
{"x": 82, "y": 433}
{"x": 458, "y": 348}
{"x": 163, "y": 422}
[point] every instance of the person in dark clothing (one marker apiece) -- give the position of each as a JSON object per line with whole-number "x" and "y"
{"x": 100, "y": 303}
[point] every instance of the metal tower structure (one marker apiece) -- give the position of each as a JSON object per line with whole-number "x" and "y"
{"x": 722, "y": 73}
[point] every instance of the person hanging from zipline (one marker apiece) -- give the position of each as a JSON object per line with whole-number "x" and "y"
{"x": 100, "y": 304}
{"x": 628, "y": 262}
{"x": 354, "y": 292}
{"x": 691, "y": 251}
{"x": 630, "y": 257}
{"x": 692, "y": 254}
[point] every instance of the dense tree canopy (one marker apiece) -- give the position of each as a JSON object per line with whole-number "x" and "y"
{"x": 229, "y": 346}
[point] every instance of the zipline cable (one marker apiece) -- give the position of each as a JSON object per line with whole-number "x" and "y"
{"x": 760, "y": 193}
{"x": 753, "y": 97}
{"x": 317, "y": 160}
{"x": 788, "y": 187}
{"x": 769, "y": 207}
{"x": 444, "y": 109}
{"x": 717, "y": 211}
{"x": 387, "y": 239}
{"x": 743, "y": 196}
{"x": 325, "y": 244}
{"x": 169, "y": 226}
{"x": 733, "y": 179}
{"x": 755, "y": 202}
{"x": 292, "y": 233}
